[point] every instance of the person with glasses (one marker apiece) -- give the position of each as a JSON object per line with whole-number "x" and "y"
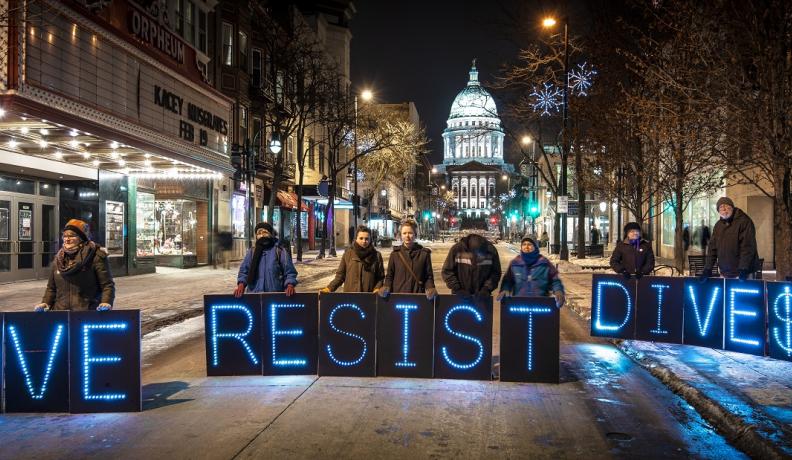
{"x": 80, "y": 278}
{"x": 267, "y": 266}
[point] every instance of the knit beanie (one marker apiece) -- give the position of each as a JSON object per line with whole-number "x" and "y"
{"x": 724, "y": 200}
{"x": 631, "y": 226}
{"x": 79, "y": 227}
{"x": 266, "y": 226}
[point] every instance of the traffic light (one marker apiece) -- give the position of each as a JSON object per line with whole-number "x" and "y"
{"x": 533, "y": 210}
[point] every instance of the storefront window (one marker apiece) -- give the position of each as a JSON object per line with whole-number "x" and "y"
{"x": 238, "y": 207}
{"x": 13, "y": 184}
{"x": 47, "y": 189}
{"x": 114, "y": 228}
{"x": 175, "y": 227}
{"x": 146, "y": 224}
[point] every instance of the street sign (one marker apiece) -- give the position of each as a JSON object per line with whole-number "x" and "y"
{"x": 563, "y": 204}
{"x": 572, "y": 209}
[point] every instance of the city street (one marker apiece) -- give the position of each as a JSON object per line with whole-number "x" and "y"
{"x": 606, "y": 406}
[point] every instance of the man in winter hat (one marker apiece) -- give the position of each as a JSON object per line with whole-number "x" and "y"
{"x": 733, "y": 243}
{"x": 267, "y": 266}
{"x": 633, "y": 256}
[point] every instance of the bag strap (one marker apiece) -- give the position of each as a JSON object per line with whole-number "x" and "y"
{"x": 409, "y": 267}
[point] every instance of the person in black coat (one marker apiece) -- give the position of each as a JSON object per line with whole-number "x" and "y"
{"x": 409, "y": 266}
{"x": 633, "y": 256}
{"x": 472, "y": 267}
{"x": 733, "y": 243}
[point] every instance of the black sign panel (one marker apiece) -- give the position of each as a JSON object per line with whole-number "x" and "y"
{"x": 105, "y": 361}
{"x": 37, "y": 362}
{"x": 660, "y": 309}
{"x": 613, "y": 306}
{"x": 704, "y": 312}
{"x": 290, "y": 332}
{"x": 463, "y": 338}
{"x": 233, "y": 334}
{"x": 405, "y": 336}
{"x": 779, "y": 311}
{"x": 347, "y": 330}
{"x": 745, "y": 316}
{"x": 529, "y": 340}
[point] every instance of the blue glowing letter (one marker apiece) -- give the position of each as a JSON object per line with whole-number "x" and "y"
{"x": 355, "y": 336}
{"x": 231, "y": 335}
{"x": 609, "y": 327}
{"x": 23, "y": 361}
{"x": 703, "y": 327}
{"x": 785, "y": 345}
{"x": 88, "y": 360}
{"x": 659, "y": 288}
{"x": 406, "y": 334}
{"x": 290, "y": 332}
{"x": 463, "y": 336}
{"x": 530, "y": 311}
{"x": 733, "y": 312}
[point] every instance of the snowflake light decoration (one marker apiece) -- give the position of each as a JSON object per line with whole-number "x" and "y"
{"x": 547, "y": 99}
{"x": 581, "y": 78}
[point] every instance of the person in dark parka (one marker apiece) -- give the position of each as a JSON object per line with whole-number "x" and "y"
{"x": 733, "y": 243}
{"x": 361, "y": 268}
{"x": 80, "y": 278}
{"x": 472, "y": 267}
{"x": 633, "y": 256}
{"x": 267, "y": 266}
{"x": 530, "y": 274}
{"x": 409, "y": 267}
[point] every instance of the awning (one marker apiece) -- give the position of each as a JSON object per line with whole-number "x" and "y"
{"x": 289, "y": 200}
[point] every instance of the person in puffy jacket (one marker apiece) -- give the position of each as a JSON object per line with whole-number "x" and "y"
{"x": 633, "y": 256}
{"x": 472, "y": 267}
{"x": 267, "y": 266}
{"x": 361, "y": 268}
{"x": 80, "y": 278}
{"x": 530, "y": 274}
{"x": 733, "y": 243}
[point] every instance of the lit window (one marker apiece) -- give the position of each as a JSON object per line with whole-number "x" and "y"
{"x": 228, "y": 44}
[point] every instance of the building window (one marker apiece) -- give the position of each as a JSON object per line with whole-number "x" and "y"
{"x": 243, "y": 124}
{"x": 255, "y": 67}
{"x": 257, "y": 134}
{"x": 243, "y": 51}
{"x": 202, "y": 21}
{"x": 189, "y": 22}
{"x": 178, "y": 9}
{"x": 228, "y": 44}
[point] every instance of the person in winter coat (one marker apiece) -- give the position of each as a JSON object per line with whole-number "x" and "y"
{"x": 80, "y": 278}
{"x": 361, "y": 268}
{"x": 267, "y": 266}
{"x": 410, "y": 266}
{"x": 472, "y": 267}
{"x": 733, "y": 243}
{"x": 530, "y": 274}
{"x": 633, "y": 256}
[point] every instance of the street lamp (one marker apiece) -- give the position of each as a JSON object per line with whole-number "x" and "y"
{"x": 367, "y": 96}
{"x": 526, "y": 140}
{"x": 549, "y": 22}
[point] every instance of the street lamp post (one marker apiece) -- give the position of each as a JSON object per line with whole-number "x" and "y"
{"x": 367, "y": 95}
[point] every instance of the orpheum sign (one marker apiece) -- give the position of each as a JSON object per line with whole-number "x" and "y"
{"x": 147, "y": 30}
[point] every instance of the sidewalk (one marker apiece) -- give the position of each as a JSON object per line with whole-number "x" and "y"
{"x": 171, "y": 295}
{"x": 747, "y": 398}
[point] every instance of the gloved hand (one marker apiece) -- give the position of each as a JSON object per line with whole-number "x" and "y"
{"x": 743, "y": 275}
{"x": 324, "y": 289}
{"x": 289, "y": 290}
{"x": 104, "y": 307}
{"x": 559, "y": 298}
{"x": 431, "y": 293}
{"x": 626, "y": 274}
{"x": 638, "y": 275}
{"x": 384, "y": 292}
{"x": 502, "y": 295}
{"x": 707, "y": 273}
{"x": 41, "y": 307}
{"x": 240, "y": 289}
{"x": 484, "y": 293}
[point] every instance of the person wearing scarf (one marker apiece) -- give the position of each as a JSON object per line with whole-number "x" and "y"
{"x": 361, "y": 268}
{"x": 633, "y": 256}
{"x": 267, "y": 267}
{"x": 530, "y": 274}
{"x": 80, "y": 278}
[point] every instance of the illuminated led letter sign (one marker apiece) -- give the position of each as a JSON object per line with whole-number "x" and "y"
{"x": 659, "y": 309}
{"x": 233, "y": 334}
{"x": 463, "y": 338}
{"x": 37, "y": 362}
{"x": 779, "y": 310}
{"x": 529, "y": 340}
{"x": 745, "y": 316}
{"x": 613, "y": 307}
{"x": 290, "y": 334}
{"x": 704, "y": 312}
{"x": 405, "y": 330}
{"x": 105, "y": 361}
{"x": 347, "y": 330}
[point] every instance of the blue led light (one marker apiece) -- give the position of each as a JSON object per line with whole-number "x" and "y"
{"x": 705, "y": 326}
{"x": 659, "y": 287}
{"x": 733, "y": 312}
{"x": 785, "y": 345}
{"x": 530, "y": 311}
{"x": 231, "y": 335}
{"x": 474, "y": 340}
{"x": 406, "y": 334}
{"x": 605, "y": 327}
{"x": 88, "y": 360}
{"x": 289, "y": 332}
{"x": 354, "y": 362}
{"x": 23, "y": 361}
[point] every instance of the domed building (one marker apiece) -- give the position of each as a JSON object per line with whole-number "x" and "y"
{"x": 473, "y": 150}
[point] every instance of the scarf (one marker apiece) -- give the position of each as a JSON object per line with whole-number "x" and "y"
{"x": 530, "y": 258}
{"x": 635, "y": 243}
{"x": 79, "y": 258}
{"x": 367, "y": 255}
{"x": 262, "y": 244}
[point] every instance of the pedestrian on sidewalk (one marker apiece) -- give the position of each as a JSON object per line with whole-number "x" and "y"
{"x": 472, "y": 267}
{"x": 733, "y": 243}
{"x": 544, "y": 240}
{"x": 530, "y": 274}
{"x": 361, "y": 268}
{"x": 80, "y": 277}
{"x": 633, "y": 256}
{"x": 267, "y": 266}
{"x": 409, "y": 266}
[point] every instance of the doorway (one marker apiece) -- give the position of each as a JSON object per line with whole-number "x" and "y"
{"x": 28, "y": 236}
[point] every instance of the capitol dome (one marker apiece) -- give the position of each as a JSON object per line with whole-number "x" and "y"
{"x": 473, "y": 100}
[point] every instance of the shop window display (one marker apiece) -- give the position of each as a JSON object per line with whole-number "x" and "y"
{"x": 146, "y": 224}
{"x": 175, "y": 227}
{"x": 114, "y": 228}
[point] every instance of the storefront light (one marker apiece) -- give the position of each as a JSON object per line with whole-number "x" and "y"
{"x": 24, "y": 130}
{"x": 2, "y": 112}
{"x": 74, "y": 133}
{"x": 603, "y": 206}
{"x": 12, "y": 144}
{"x": 96, "y": 163}
{"x": 74, "y": 144}
{"x": 86, "y": 155}
{"x": 58, "y": 154}
{"x": 114, "y": 155}
{"x": 114, "y": 145}
{"x": 44, "y": 131}
{"x": 43, "y": 144}
{"x": 121, "y": 163}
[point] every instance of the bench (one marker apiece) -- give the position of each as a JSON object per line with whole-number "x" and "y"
{"x": 592, "y": 250}
{"x": 696, "y": 266}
